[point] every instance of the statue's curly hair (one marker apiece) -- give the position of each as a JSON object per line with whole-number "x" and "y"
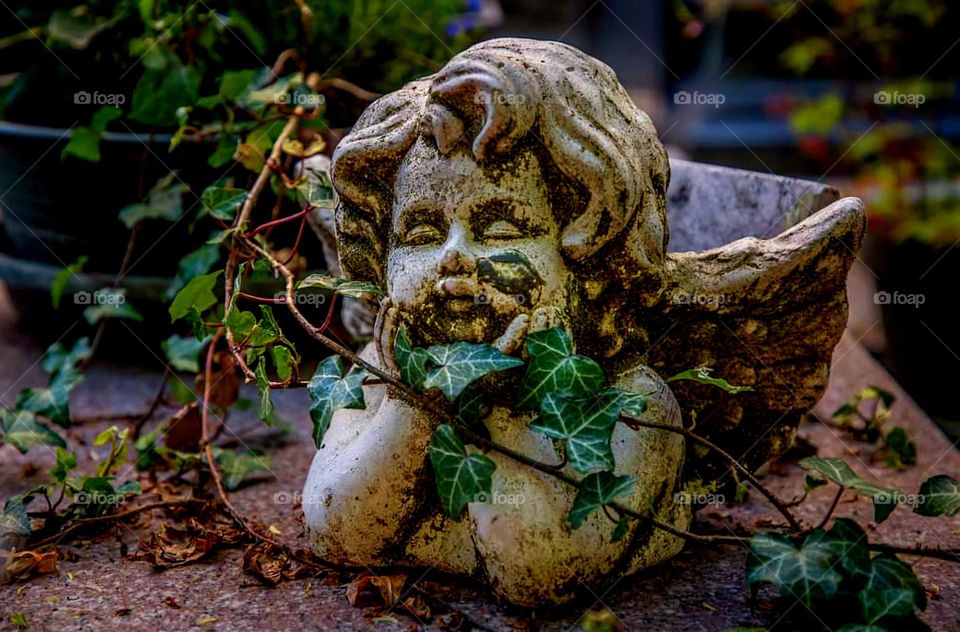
{"x": 496, "y": 95}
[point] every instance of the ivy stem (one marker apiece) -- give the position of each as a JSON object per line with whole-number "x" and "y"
{"x": 770, "y": 496}
{"x": 282, "y": 220}
{"x": 832, "y": 508}
{"x": 260, "y": 299}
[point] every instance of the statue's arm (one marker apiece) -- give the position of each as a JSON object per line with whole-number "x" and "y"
{"x": 522, "y": 536}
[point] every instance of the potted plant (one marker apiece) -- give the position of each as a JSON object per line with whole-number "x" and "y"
{"x": 117, "y": 115}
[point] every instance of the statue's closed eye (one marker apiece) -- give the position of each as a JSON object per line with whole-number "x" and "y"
{"x": 421, "y": 235}
{"x": 502, "y": 229}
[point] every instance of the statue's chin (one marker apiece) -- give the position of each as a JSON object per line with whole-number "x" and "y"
{"x": 456, "y": 320}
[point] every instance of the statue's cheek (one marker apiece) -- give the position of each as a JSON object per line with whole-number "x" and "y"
{"x": 411, "y": 276}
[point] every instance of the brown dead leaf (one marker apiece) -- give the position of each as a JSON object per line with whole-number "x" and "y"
{"x": 26, "y": 564}
{"x": 224, "y": 380}
{"x": 184, "y": 429}
{"x": 417, "y": 606}
{"x": 266, "y": 563}
{"x": 390, "y": 587}
{"x": 171, "y": 546}
{"x": 122, "y": 612}
{"x": 361, "y": 594}
{"x": 170, "y": 602}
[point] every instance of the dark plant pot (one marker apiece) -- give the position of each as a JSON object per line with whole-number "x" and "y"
{"x": 917, "y": 295}
{"x": 56, "y": 210}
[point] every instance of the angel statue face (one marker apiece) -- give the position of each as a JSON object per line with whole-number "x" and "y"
{"x": 473, "y": 248}
{"x": 519, "y": 190}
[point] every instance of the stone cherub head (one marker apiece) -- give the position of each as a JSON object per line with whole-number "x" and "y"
{"x": 520, "y": 189}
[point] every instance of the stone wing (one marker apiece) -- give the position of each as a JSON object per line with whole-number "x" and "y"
{"x": 761, "y": 312}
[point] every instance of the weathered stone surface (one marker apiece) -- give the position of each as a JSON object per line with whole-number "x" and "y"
{"x": 533, "y": 151}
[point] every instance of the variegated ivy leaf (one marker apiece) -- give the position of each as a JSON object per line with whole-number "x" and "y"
{"x": 597, "y": 490}
{"x": 411, "y": 361}
{"x": 461, "y": 363}
{"x": 553, "y": 368}
{"x": 459, "y": 476}
{"x": 585, "y": 423}
{"x": 14, "y": 519}
{"x": 352, "y": 289}
{"x": 22, "y": 430}
{"x": 941, "y": 496}
{"x": 634, "y": 404}
{"x": 808, "y": 573}
{"x": 837, "y": 471}
{"x": 331, "y": 390}
{"x": 52, "y": 402}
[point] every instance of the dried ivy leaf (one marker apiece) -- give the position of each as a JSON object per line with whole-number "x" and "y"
{"x": 330, "y": 389}
{"x": 459, "y": 476}
{"x": 553, "y": 368}
{"x": 22, "y": 430}
{"x": 411, "y": 362}
{"x": 462, "y": 363}
{"x": 941, "y": 496}
{"x": 597, "y": 490}
{"x": 585, "y": 423}
{"x": 837, "y": 471}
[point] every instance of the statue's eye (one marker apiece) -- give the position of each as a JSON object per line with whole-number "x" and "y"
{"x": 421, "y": 235}
{"x": 502, "y": 229}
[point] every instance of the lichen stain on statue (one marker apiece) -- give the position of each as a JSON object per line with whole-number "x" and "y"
{"x": 520, "y": 189}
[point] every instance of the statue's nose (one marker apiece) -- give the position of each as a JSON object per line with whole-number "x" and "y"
{"x": 457, "y": 257}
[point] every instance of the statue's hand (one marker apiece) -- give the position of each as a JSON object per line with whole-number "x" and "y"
{"x": 541, "y": 319}
{"x": 385, "y": 334}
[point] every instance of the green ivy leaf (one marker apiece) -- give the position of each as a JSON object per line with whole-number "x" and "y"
{"x": 472, "y": 409}
{"x": 196, "y": 297}
{"x": 461, "y": 363}
{"x": 411, "y": 362}
{"x": 84, "y": 144}
{"x": 111, "y": 303}
{"x": 222, "y": 203}
{"x": 193, "y": 265}
{"x": 849, "y": 544}
{"x": 597, "y": 490}
{"x": 352, "y": 289}
{"x": 284, "y": 362}
{"x": 266, "y": 413}
{"x": 62, "y": 278}
{"x": 634, "y": 404}
{"x": 240, "y": 323}
{"x": 52, "y": 402}
{"x": 159, "y": 93}
{"x": 701, "y": 374}
{"x": 888, "y": 572}
{"x": 330, "y": 390}
{"x": 66, "y": 462}
{"x": 183, "y": 352}
{"x": 14, "y": 519}
{"x": 941, "y": 496}
{"x": 459, "y": 476}
{"x": 585, "y": 423}
{"x": 165, "y": 201}
{"x": 837, "y": 471}
{"x": 237, "y": 467}
{"x": 554, "y": 369}
{"x": 621, "y": 530}
{"x": 22, "y": 430}
{"x": 57, "y": 360}
{"x": 806, "y": 574}
{"x": 886, "y": 603}
{"x": 117, "y": 439}
{"x": 900, "y": 448}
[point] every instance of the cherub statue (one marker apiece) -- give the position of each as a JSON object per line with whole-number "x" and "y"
{"x": 516, "y": 190}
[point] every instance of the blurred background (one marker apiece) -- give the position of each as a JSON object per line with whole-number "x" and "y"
{"x": 859, "y": 94}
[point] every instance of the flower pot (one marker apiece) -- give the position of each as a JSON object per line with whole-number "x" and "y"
{"x": 916, "y": 291}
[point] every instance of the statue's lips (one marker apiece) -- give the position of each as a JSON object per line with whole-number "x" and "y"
{"x": 459, "y": 294}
